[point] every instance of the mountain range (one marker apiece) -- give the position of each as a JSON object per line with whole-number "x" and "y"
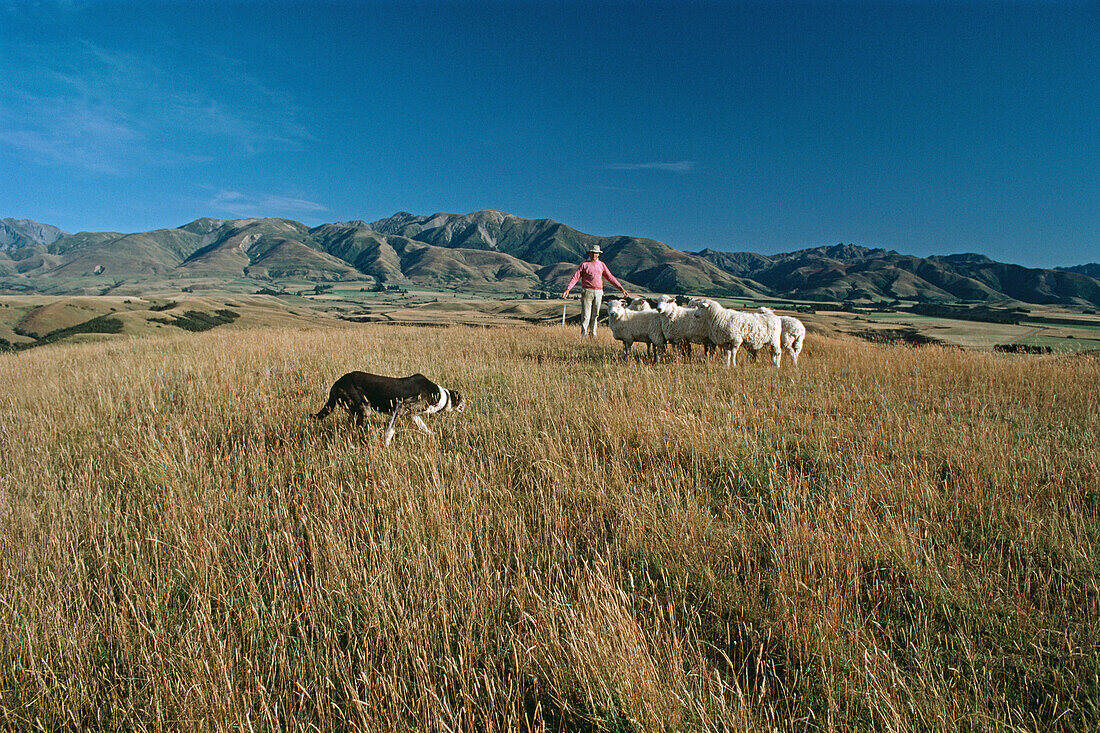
{"x": 497, "y": 252}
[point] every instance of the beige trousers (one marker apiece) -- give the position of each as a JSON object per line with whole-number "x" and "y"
{"x": 591, "y": 300}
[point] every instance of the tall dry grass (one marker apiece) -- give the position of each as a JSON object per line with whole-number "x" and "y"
{"x": 884, "y": 539}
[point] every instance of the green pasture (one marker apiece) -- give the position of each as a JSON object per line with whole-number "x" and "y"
{"x": 1061, "y": 344}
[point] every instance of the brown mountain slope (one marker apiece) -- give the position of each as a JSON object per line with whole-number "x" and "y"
{"x": 493, "y": 250}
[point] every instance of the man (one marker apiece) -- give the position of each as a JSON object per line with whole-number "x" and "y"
{"x": 591, "y": 274}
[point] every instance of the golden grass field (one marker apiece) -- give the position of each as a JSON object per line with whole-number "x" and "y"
{"x": 885, "y": 538}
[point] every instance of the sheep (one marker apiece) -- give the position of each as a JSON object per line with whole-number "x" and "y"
{"x": 791, "y": 334}
{"x": 641, "y": 304}
{"x": 708, "y": 345}
{"x": 677, "y": 325}
{"x": 728, "y": 329}
{"x": 630, "y": 326}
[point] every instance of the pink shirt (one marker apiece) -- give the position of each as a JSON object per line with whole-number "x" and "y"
{"x": 591, "y": 275}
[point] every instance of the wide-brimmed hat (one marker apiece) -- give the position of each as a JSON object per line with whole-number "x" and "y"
{"x": 594, "y": 248}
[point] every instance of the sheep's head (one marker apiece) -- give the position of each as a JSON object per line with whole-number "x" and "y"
{"x": 616, "y": 308}
{"x": 705, "y": 308}
{"x": 639, "y": 304}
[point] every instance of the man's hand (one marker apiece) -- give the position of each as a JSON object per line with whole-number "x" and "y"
{"x": 626, "y": 294}
{"x": 565, "y": 295}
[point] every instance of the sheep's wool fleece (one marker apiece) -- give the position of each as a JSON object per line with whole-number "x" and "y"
{"x": 628, "y": 325}
{"x": 679, "y": 323}
{"x": 755, "y": 330}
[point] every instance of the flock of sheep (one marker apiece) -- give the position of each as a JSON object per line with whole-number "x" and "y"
{"x": 704, "y": 321}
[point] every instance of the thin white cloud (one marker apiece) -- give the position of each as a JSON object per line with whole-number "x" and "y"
{"x": 41, "y": 8}
{"x": 620, "y": 189}
{"x": 679, "y": 166}
{"x": 113, "y": 112}
{"x": 254, "y": 205}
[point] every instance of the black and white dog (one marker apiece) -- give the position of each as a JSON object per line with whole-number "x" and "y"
{"x": 361, "y": 392}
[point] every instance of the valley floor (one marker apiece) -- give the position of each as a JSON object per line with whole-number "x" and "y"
{"x": 34, "y": 320}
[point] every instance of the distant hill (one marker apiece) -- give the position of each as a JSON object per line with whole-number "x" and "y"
{"x": 848, "y": 272}
{"x": 495, "y": 251}
{"x": 1092, "y": 269}
{"x": 645, "y": 263}
{"x": 16, "y": 233}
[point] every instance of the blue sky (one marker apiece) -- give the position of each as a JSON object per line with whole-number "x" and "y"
{"x": 929, "y": 128}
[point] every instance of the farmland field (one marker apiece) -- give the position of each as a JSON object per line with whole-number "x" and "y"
{"x": 1082, "y": 335}
{"x": 886, "y": 538}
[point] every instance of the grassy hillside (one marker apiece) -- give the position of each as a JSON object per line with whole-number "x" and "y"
{"x": 885, "y": 539}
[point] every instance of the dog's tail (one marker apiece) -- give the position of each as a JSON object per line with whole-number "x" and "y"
{"x": 327, "y": 408}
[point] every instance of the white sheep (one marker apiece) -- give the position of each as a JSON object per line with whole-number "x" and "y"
{"x": 629, "y": 326}
{"x": 728, "y": 329}
{"x": 678, "y": 325}
{"x": 791, "y": 335}
{"x": 641, "y": 304}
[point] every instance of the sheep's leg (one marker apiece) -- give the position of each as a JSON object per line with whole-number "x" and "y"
{"x": 626, "y": 349}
